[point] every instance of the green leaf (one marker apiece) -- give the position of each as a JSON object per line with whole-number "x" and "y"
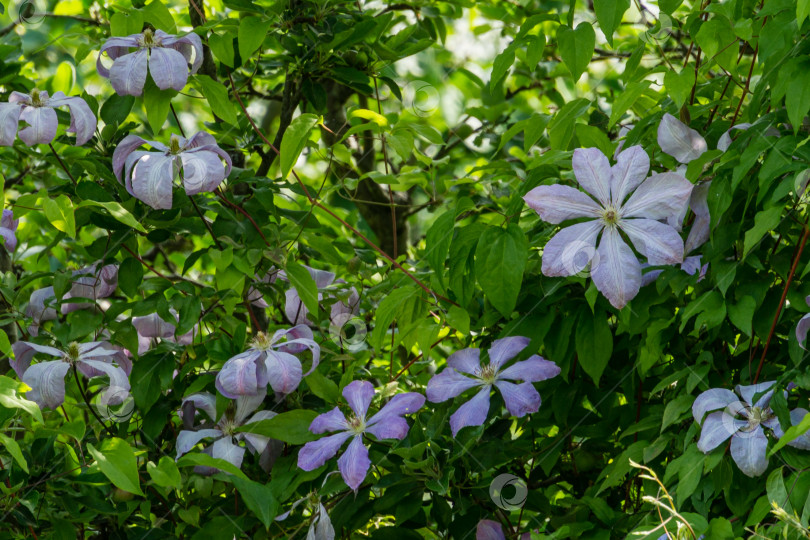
{"x": 130, "y": 276}
{"x": 222, "y": 47}
{"x": 156, "y": 103}
{"x": 437, "y": 243}
{"x": 764, "y": 221}
{"x": 561, "y": 127}
{"x": 59, "y": 212}
{"x": 797, "y": 98}
{"x": 802, "y": 11}
{"x": 116, "y": 109}
{"x": 676, "y": 408}
{"x": 323, "y": 387}
{"x": 252, "y": 31}
{"x": 594, "y": 343}
{"x": 791, "y": 434}
{"x": 501, "y": 65}
{"x": 5, "y": 344}
{"x": 126, "y": 24}
{"x": 387, "y": 312}
{"x": 741, "y": 314}
{"x": 291, "y": 427}
{"x": 307, "y": 289}
{"x": 609, "y": 14}
{"x": 9, "y": 389}
{"x": 717, "y": 39}
{"x": 14, "y": 449}
{"x": 157, "y": 13}
{"x": 165, "y": 473}
{"x": 294, "y": 141}
{"x": 217, "y": 96}
{"x": 259, "y": 499}
{"x": 680, "y": 84}
{"x": 626, "y": 99}
{"x": 576, "y": 47}
{"x": 116, "y": 460}
{"x": 117, "y": 211}
{"x": 195, "y": 459}
{"x": 500, "y": 259}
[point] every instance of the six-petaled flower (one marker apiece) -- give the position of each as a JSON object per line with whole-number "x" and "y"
{"x": 37, "y": 111}
{"x": 465, "y": 370}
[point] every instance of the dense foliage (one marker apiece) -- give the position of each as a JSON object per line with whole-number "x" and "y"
{"x": 426, "y": 269}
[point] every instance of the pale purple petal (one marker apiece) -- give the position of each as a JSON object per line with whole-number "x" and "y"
{"x": 321, "y": 527}
{"x": 294, "y": 309}
{"x": 202, "y": 171}
{"x": 41, "y": 127}
{"x": 168, "y": 68}
{"x": 115, "y": 47}
{"x": 9, "y": 239}
{"x": 802, "y": 329}
{"x": 802, "y": 441}
{"x": 333, "y": 420}
{"x": 315, "y": 453}
{"x": 186, "y": 440}
{"x": 571, "y": 250}
{"x": 24, "y": 351}
{"x": 504, "y": 349}
{"x": 520, "y": 399}
{"x": 47, "y": 380}
{"x": 534, "y": 369}
{"x": 465, "y": 360}
{"x": 699, "y": 232}
{"x": 472, "y": 413}
{"x": 632, "y": 166}
{"x": 152, "y": 180}
{"x": 592, "y": 171}
{"x": 152, "y": 326}
{"x": 283, "y": 371}
{"x": 392, "y": 428}
{"x": 127, "y": 145}
{"x": 185, "y": 44}
{"x": 712, "y": 400}
{"x": 82, "y": 120}
{"x": 359, "y": 394}
{"x": 118, "y": 377}
{"x": 489, "y": 530}
{"x": 244, "y": 374}
{"x": 657, "y": 241}
{"x": 679, "y": 140}
{"x": 247, "y": 404}
{"x": 449, "y": 384}
{"x": 558, "y": 203}
{"x": 224, "y": 449}
{"x": 9, "y": 121}
{"x": 37, "y": 309}
{"x": 749, "y": 450}
{"x": 257, "y": 443}
{"x": 387, "y": 423}
{"x": 128, "y": 73}
{"x": 748, "y": 393}
{"x": 204, "y": 402}
{"x": 7, "y": 221}
{"x": 725, "y": 139}
{"x": 661, "y": 196}
{"x": 617, "y": 272}
{"x": 354, "y": 463}
{"x": 692, "y": 265}
{"x": 717, "y": 427}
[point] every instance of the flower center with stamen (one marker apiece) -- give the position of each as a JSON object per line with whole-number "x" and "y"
{"x": 261, "y": 342}
{"x": 174, "y": 145}
{"x": 149, "y": 40}
{"x": 487, "y": 373}
{"x": 72, "y": 353}
{"x": 610, "y": 216}
{"x": 356, "y": 424}
{"x": 36, "y": 99}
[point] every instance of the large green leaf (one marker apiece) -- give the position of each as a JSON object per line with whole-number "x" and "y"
{"x": 291, "y": 426}
{"x": 217, "y": 96}
{"x": 609, "y": 14}
{"x": 294, "y": 141}
{"x": 252, "y": 31}
{"x": 307, "y": 289}
{"x": 116, "y": 459}
{"x": 500, "y": 259}
{"x": 576, "y": 47}
{"x": 594, "y": 342}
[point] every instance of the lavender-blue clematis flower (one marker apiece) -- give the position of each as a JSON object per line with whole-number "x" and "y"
{"x": 152, "y": 326}
{"x": 269, "y": 360}
{"x": 520, "y": 398}
{"x": 37, "y": 110}
{"x": 149, "y": 176}
{"x": 166, "y": 57}
{"x": 615, "y": 270}
{"x": 388, "y": 423}
{"x": 224, "y": 431}
{"x": 8, "y": 230}
{"x": 488, "y": 529}
{"x": 47, "y": 379}
{"x": 741, "y": 418}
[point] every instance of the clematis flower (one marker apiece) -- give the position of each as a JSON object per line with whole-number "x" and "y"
{"x": 520, "y": 398}
{"x": 8, "y": 228}
{"x": 224, "y": 431}
{"x": 153, "y": 326}
{"x": 492, "y": 530}
{"x": 615, "y": 270}
{"x": 743, "y": 421}
{"x": 271, "y": 361}
{"x": 47, "y": 379}
{"x": 388, "y": 423}
{"x": 149, "y": 176}
{"x": 37, "y": 110}
{"x": 803, "y": 327}
{"x": 166, "y": 57}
